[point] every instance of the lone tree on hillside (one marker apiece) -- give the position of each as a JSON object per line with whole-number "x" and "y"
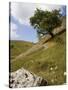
{"x": 45, "y": 21}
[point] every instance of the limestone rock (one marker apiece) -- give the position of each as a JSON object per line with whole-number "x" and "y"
{"x": 23, "y": 78}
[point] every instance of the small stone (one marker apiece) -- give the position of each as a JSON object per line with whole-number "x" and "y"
{"x": 56, "y": 67}
{"x": 64, "y": 73}
{"x": 52, "y": 80}
{"x": 51, "y": 68}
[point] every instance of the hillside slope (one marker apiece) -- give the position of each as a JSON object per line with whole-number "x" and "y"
{"x": 47, "y": 62}
{"x": 43, "y": 41}
{"x": 18, "y": 47}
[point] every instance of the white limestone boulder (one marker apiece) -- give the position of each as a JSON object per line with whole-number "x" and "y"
{"x": 23, "y": 78}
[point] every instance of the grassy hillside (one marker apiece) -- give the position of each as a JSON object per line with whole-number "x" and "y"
{"x": 46, "y": 62}
{"x": 18, "y": 47}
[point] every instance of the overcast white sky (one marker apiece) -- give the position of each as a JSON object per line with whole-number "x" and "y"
{"x": 23, "y": 11}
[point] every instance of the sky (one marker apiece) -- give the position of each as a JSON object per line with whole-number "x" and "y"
{"x": 20, "y": 28}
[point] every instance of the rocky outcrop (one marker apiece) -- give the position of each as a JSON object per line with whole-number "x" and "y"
{"x": 23, "y": 78}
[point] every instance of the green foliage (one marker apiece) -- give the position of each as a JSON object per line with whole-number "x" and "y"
{"x": 46, "y": 20}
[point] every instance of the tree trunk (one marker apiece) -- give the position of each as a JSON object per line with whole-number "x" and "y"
{"x": 52, "y": 35}
{"x": 38, "y": 34}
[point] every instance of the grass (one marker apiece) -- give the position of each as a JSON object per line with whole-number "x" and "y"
{"x": 18, "y": 47}
{"x": 48, "y": 63}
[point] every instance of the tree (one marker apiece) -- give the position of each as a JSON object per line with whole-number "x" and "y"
{"x": 45, "y": 21}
